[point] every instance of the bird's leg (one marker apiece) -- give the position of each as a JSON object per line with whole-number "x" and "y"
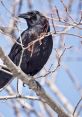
{"x": 28, "y": 76}
{"x": 33, "y": 84}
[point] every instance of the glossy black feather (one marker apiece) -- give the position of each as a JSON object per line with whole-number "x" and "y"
{"x": 36, "y": 56}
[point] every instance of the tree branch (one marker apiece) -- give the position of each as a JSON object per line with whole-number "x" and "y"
{"x": 33, "y": 84}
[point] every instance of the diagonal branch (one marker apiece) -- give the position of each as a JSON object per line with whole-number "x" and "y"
{"x": 33, "y": 84}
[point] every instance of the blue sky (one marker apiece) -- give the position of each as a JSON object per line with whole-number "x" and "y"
{"x": 63, "y": 81}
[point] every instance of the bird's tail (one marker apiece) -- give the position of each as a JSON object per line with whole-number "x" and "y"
{"x": 5, "y": 77}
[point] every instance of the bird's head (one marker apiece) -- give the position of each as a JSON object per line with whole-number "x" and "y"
{"x": 34, "y": 18}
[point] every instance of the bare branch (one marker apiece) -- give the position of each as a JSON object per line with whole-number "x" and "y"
{"x": 34, "y": 85}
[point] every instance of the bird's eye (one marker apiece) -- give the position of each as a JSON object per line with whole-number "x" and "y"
{"x": 33, "y": 16}
{"x": 31, "y": 13}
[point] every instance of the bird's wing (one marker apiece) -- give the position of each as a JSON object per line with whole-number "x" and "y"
{"x": 17, "y": 46}
{"x": 14, "y": 51}
{"x": 26, "y": 37}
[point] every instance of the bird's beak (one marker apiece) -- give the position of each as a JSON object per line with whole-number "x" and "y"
{"x": 24, "y": 15}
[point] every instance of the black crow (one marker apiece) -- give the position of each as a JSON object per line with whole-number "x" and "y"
{"x": 31, "y": 48}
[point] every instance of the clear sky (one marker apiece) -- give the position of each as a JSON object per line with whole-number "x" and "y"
{"x": 72, "y": 58}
